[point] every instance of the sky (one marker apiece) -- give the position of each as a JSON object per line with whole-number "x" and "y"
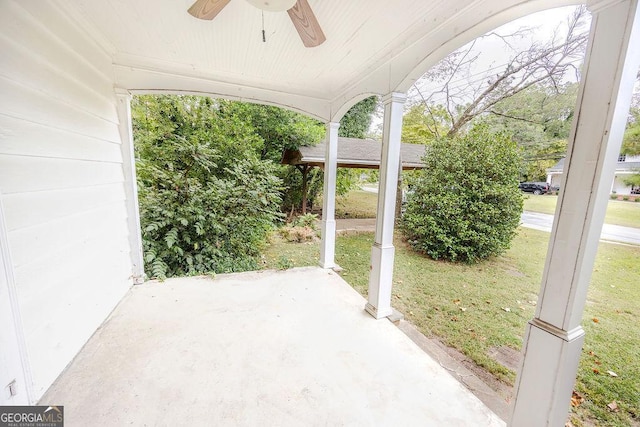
{"x": 492, "y": 49}
{"x": 493, "y": 52}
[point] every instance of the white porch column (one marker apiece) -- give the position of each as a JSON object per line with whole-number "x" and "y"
{"x": 130, "y": 185}
{"x": 554, "y": 338}
{"x": 328, "y": 244}
{"x": 382, "y": 252}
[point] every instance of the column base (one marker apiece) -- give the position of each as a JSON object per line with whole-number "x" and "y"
{"x": 380, "y": 281}
{"x": 377, "y": 314}
{"x": 547, "y": 375}
{"x": 328, "y": 243}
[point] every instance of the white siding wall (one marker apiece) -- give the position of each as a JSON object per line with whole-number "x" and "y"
{"x": 61, "y": 181}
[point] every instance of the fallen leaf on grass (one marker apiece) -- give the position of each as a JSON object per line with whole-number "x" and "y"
{"x": 595, "y": 320}
{"x": 507, "y": 309}
{"x": 613, "y": 406}
{"x": 611, "y": 373}
{"x": 411, "y": 313}
{"x": 463, "y": 309}
{"x": 456, "y": 301}
{"x": 596, "y": 370}
{"x": 576, "y": 399}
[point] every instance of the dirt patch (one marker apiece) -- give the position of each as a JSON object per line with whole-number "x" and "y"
{"x": 515, "y": 273}
{"x": 506, "y": 356}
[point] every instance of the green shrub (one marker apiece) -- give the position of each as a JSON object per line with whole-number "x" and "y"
{"x": 214, "y": 226}
{"x": 284, "y": 263}
{"x": 298, "y": 234}
{"x": 613, "y": 197}
{"x": 465, "y": 204}
{"x": 302, "y": 229}
{"x": 625, "y": 198}
{"x": 307, "y": 220}
{"x": 292, "y": 187}
{"x": 207, "y": 202}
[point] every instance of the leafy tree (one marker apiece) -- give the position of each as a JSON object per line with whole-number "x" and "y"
{"x": 207, "y": 201}
{"x": 538, "y": 119}
{"x": 632, "y": 180}
{"x": 422, "y": 124}
{"x": 277, "y": 127}
{"x": 631, "y": 141}
{"x": 356, "y": 122}
{"x": 465, "y": 204}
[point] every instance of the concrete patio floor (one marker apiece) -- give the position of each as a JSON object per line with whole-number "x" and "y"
{"x": 272, "y": 348}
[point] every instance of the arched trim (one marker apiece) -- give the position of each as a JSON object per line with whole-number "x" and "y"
{"x": 342, "y": 109}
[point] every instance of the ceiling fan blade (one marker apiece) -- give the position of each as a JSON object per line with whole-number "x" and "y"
{"x": 306, "y": 24}
{"x": 207, "y": 9}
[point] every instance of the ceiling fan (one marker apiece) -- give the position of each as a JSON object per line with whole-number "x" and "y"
{"x": 299, "y": 11}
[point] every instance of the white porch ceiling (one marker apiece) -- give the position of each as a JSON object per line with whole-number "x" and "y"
{"x": 373, "y": 46}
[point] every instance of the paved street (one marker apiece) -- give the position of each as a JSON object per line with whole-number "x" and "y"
{"x": 613, "y": 233}
{"x": 543, "y": 222}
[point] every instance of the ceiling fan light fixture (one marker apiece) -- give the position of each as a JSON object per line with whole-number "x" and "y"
{"x": 273, "y": 5}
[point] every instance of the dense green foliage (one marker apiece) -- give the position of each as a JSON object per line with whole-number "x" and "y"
{"x": 421, "y": 124}
{"x": 207, "y": 195}
{"x": 631, "y": 142}
{"x": 538, "y": 120}
{"x": 465, "y": 205}
{"x": 356, "y": 122}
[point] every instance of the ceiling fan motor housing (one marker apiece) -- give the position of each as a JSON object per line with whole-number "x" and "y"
{"x": 273, "y": 5}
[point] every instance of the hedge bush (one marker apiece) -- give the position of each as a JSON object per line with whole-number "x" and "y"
{"x": 465, "y": 204}
{"x": 207, "y": 201}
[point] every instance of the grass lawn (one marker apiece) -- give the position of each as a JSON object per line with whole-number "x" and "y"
{"x": 465, "y": 306}
{"x": 356, "y": 204}
{"x": 618, "y": 212}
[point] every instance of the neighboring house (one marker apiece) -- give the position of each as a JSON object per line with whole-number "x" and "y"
{"x": 627, "y": 165}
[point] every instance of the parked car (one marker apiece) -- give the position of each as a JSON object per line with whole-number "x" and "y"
{"x": 534, "y": 187}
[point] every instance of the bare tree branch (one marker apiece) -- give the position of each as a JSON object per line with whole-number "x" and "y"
{"x": 467, "y": 95}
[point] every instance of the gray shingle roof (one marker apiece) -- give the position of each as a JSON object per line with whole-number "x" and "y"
{"x": 355, "y": 153}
